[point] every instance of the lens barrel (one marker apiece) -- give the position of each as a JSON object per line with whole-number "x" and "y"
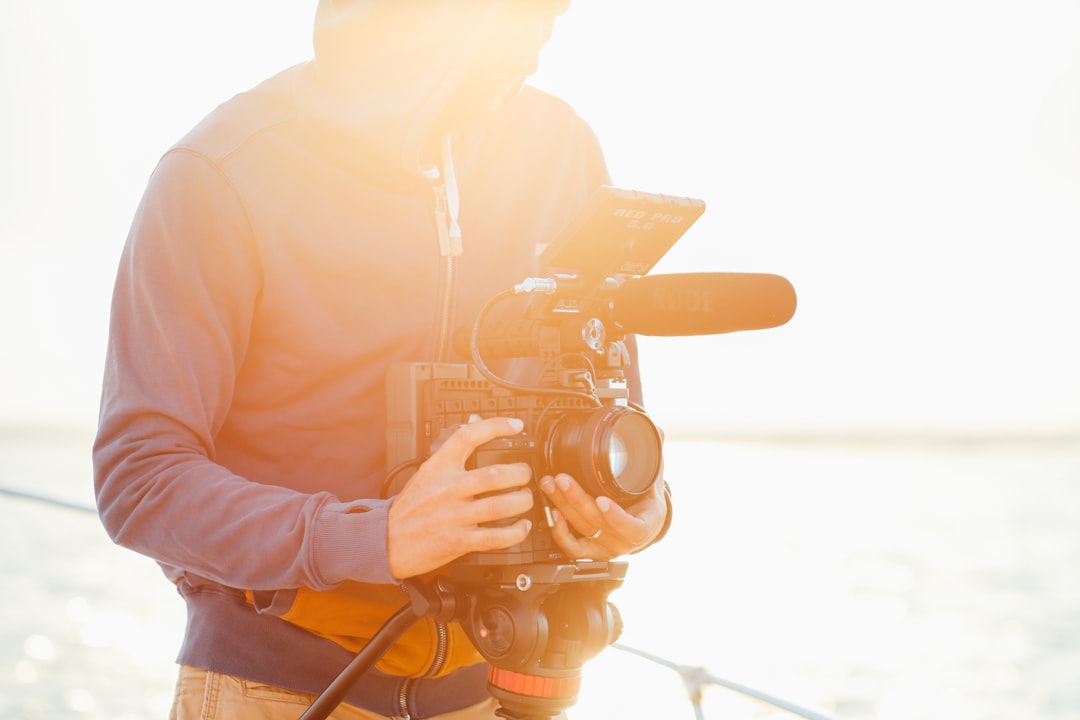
{"x": 613, "y": 451}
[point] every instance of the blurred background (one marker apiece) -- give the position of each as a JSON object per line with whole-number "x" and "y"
{"x": 877, "y": 502}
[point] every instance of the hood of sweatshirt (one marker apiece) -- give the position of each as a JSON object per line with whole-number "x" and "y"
{"x": 405, "y": 73}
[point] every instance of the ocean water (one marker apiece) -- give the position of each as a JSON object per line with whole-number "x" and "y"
{"x": 902, "y": 581}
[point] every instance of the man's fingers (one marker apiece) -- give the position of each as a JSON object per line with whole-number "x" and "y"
{"x": 496, "y": 478}
{"x": 577, "y": 506}
{"x": 463, "y": 441}
{"x": 486, "y": 539}
{"x": 501, "y": 506}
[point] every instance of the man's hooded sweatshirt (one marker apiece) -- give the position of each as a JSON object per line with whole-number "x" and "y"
{"x": 286, "y": 251}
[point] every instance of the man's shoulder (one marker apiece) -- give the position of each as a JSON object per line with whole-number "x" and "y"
{"x": 547, "y": 120}
{"x": 546, "y": 108}
{"x": 243, "y": 118}
{"x": 545, "y": 128}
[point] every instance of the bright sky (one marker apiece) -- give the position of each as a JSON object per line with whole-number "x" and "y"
{"x": 913, "y": 168}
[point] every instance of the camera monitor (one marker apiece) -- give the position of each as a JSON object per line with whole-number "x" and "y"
{"x": 620, "y": 232}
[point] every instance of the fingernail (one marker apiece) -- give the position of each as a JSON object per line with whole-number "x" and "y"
{"x": 547, "y": 485}
{"x": 562, "y": 482}
{"x": 517, "y": 424}
{"x": 603, "y": 503}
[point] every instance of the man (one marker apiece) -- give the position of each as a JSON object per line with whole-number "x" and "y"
{"x": 286, "y": 251}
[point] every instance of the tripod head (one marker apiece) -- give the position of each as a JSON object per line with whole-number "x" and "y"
{"x": 535, "y": 624}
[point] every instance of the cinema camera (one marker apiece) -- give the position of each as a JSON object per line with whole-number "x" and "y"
{"x": 578, "y": 416}
{"x": 533, "y": 613}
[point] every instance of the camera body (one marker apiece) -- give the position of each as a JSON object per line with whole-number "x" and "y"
{"x": 429, "y": 401}
{"x": 591, "y": 440}
{"x": 576, "y": 408}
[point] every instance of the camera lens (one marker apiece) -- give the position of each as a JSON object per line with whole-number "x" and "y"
{"x": 618, "y": 457}
{"x": 613, "y": 451}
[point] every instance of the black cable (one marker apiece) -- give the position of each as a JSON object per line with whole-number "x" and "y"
{"x": 478, "y": 360}
{"x": 388, "y": 481}
{"x": 335, "y": 693}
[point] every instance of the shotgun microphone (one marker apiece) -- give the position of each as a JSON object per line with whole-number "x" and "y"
{"x": 660, "y": 305}
{"x": 702, "y": 303}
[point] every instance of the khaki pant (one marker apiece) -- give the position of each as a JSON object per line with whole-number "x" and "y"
{"x": 205, "y": 695}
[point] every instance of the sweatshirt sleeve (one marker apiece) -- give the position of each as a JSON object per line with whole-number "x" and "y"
{"x": 186, "y": 289}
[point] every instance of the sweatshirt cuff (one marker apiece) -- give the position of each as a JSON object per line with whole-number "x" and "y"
{"x": 350, "y": 543}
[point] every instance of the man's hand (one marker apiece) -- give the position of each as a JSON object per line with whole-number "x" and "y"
{"x": 440, "y": 515}
{"x": 599, "y": 528}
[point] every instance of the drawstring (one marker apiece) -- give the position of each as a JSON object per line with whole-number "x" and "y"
{"x": 447, "y": 204}
{"x": 453, "y": 247}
